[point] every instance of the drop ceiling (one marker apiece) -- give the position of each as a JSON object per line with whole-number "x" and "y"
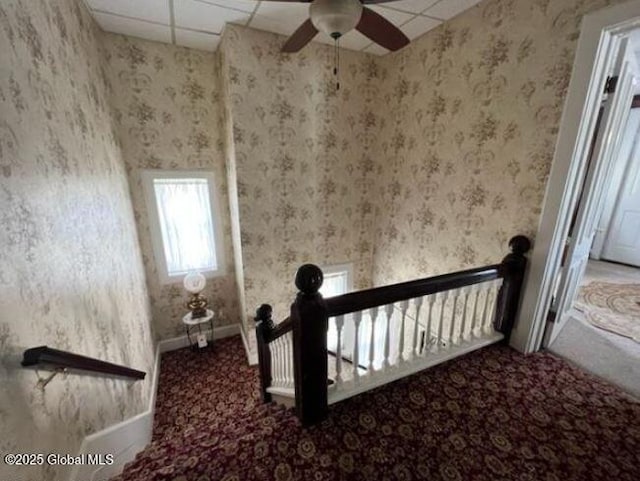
{"x": 198, "y": 23}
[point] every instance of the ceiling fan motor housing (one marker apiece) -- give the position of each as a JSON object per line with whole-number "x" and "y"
{"x": 335, "y": 17}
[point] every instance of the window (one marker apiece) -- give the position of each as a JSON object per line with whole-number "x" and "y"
{"x": 184, "y": 222}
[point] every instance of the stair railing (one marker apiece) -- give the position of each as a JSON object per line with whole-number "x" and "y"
{"x": 397, "y": 330}
{"x": 57, "y": 361}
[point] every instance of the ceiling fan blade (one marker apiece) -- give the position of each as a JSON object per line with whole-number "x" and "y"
{"x": 300, "y": 37}
{"x": 381, "y": 31}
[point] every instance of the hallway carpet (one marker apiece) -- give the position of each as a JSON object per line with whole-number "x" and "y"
{"x": 491, "y": 415}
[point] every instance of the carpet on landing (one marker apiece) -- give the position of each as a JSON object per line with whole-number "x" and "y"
{"x": 614, "y": 307}
{"x": 491, "y": 415}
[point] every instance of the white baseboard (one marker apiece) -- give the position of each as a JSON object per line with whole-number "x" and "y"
{"x": 252, "y": 357}
{"x": 127, "y": 438}
{"x": 122, "y": 440}
{"x": 180, "y": 342}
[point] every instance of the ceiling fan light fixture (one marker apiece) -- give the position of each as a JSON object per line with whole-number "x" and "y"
{"x": 335, "y": 17}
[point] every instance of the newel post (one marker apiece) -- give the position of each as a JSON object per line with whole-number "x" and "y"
{"x": 264, "y": 326}
{"x": 512, "y": 268}
{"x": 310, "y": 322}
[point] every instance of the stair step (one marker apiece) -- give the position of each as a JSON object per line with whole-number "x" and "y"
{"x": 257, "y": 424}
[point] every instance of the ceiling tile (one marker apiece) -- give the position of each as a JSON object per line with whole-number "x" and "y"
{"x": 411, "y": 6}
{"x": 133, "y": 28}
{"x": 446, "y": 9}
{"x": 376, "y": 49}
{"x": 197, "y": 40}
{"x": 284, "y": 11}
{"x": 396, "y": 17}
{"x": 197, "y": 15}
{"x": 150, "y": 10}
{"x": 271, "y": 25}
{"x": 280, "y": 17}
{"x": 244, "y": 5}
{"x": 352, "y": 40}
{"x": 419, "y": 25}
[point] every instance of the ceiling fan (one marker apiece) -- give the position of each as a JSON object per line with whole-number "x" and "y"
{"x": 337, "y": 17}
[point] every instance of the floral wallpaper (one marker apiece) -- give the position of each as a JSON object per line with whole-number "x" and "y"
{"x": 303, "y": 160}
{"x": 472, "y": 110}
{"x": 168, "y": 110}
{"x": 71, "y": 273}
{"x": 424, "y": 161}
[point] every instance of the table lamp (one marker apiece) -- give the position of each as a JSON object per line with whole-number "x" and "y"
{"x": 194, "y": 283}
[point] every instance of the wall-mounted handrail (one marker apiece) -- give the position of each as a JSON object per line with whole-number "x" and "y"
{"x": 48, "y": 358}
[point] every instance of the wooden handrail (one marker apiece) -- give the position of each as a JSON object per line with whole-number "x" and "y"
{"x": 380, "y": 296}
{"x": 49, "y": 358}
{"x": 280, "y": 330}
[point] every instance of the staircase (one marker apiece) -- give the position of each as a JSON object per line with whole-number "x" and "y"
{"x": 208, "y": 404}
{"x": 178, "y": 455}
{"x": 219, "y": 424}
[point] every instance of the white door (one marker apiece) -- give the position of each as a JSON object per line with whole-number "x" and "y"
{"x": 614, "y": 118}
{"x": 623, "y": 239}
{"x": 629, "y": 150}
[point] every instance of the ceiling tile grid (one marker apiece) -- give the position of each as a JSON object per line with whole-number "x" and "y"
{"x": 199, "y": 23}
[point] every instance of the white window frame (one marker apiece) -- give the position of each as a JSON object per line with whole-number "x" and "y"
{"x": 340, "y": 268}
{"x": 147, "y": 177}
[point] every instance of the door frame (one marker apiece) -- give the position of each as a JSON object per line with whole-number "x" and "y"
{"x": 593, "y": 61}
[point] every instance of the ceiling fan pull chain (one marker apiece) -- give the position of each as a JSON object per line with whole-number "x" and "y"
{"x": 336, "y": 59}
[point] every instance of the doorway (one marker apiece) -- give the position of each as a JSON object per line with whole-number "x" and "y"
{"x": 602, "y": 331}
{"x": 550, "y": 281}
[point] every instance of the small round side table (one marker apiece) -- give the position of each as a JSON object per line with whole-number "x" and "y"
{"x": 191, "y": 324}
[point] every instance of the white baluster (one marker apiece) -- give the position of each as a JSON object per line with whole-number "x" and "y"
{"x": 289, "y": 358}
{"x": 474, "y": 320}
{"x": 357, "y": 318}
{"x": 281, "y": 354}
{"x": 495, "y": 287}
{"x": 431, "y": 299}
{"x": 404, "y": 305}
{"x": 416, "y": 342}
{"x": 285, "y": 361}
{"x": 274, "y": 363}
{"x": 463, "y": 327}
{"x": 485, "y": 308}
{"x": 283, "y": 378}
{"x": 452, "y": 325}
{"x": 373, "y": 314}
{"x": 443, "y": 300}
{"x": 388, "y": 310}
{"x": 339, "y": 325}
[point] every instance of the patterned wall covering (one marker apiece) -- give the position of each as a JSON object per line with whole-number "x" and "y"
{"x": 304, "y": 163}
{"x": 435, "y": 155}
{"x": 168, "y": 108}
{"x": 470, "y": 133}
{"x": 71, "y": 273}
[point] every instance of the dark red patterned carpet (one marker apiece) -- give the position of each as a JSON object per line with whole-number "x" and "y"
{"x": 491, "y": 415}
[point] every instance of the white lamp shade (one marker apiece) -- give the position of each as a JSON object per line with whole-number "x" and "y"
{"x": 194, "y": 282}
{"x": 335, "y": 17}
